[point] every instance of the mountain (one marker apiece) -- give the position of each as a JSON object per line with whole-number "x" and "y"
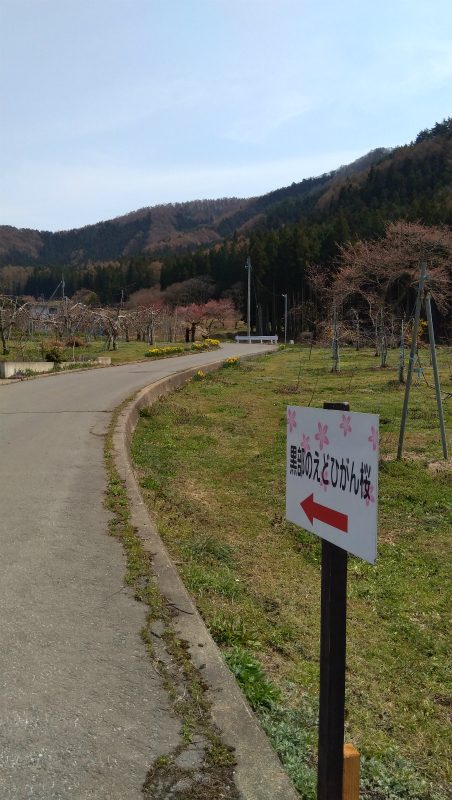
{"x": 413, "y": 182}
{"x": 282, "y": 232}
{"x": 161, "y": 229}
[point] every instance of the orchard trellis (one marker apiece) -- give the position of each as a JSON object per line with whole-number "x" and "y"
{"x": 74, "y": 324}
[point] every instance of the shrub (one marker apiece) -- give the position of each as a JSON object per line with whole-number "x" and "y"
{"x": 54, "y": 354}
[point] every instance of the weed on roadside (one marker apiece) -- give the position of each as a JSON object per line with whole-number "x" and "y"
{"x": 214, "y": 770}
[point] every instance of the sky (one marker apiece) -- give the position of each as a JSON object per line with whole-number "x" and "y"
{"x": 107, "y": 106}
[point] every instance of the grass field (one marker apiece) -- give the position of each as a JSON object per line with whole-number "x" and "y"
{"x": 127, "y": 351}
{"x": 211, "y": 462}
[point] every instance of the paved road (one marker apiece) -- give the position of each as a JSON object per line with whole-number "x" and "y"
{"x": 82, "y": 712}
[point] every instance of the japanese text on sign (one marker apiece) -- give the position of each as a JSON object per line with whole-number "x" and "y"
{"x": 332, "y": 476}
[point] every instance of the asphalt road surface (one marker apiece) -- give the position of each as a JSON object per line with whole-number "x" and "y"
{"x": 83, "y": 714}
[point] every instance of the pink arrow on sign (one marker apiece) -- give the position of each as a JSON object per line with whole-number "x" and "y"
{"x": 314, "y": 510}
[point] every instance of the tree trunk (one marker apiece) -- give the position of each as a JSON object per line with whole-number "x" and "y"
{"x": 5, "y": 348}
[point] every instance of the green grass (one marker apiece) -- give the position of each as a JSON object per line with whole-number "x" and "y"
{"x": 126, "y": 352}
{"x": 211, "y": 461}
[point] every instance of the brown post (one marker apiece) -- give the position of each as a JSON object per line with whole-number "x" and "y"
{"x": 350, "y": 781}
{"x": 333, "y": 623}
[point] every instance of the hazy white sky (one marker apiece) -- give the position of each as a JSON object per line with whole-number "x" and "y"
{"x": 111, "y": 105}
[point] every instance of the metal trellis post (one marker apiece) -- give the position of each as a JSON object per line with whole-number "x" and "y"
{"x": 248, "y": 267}
{"x": 402, "y": 356}
{"x": 431, "y": 336}
{"x": 417, "y": 314}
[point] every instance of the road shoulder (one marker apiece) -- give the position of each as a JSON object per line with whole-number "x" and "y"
{"x": 259, "y": 774}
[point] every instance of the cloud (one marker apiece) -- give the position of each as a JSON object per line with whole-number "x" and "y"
{"x": 273, "y": 113}
{"x": 103, "y": 110}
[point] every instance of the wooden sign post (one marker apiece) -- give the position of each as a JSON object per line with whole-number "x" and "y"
{"x": 332, "y": 491}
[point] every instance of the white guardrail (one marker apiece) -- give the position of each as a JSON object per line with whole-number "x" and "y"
{"x": 259, "y": 339}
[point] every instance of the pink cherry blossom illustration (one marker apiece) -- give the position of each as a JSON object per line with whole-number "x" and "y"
{"x": 305, "y": 444}
{"x": 322, "y": 477}
{"x": 345, "y": 424}
{"x": 371, "y": 498}
{"x": 321, "y": 435}
{"x": 291, "y": 419}
{"x": 374, "y": 438}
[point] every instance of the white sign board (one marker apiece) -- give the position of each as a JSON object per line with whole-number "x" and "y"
{"x": 332, "y": 477}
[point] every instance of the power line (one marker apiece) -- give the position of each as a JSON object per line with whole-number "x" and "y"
{"x": 264, "y": 287}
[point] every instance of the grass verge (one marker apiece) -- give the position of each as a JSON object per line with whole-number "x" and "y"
{"x": 211, "y": 464}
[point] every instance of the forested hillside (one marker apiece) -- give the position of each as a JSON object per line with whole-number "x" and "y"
{"x": 159, "y": 230}
{"x": 108, "y": 281}
{"x": 164, "y": 228}
{"x": 413, "y": 183}
{"x": 282, "y": 232}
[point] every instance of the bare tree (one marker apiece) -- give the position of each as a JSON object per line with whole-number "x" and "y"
{"x": 110, "y": 321}
{"x": 381, "y": 273}
{"x": 13, "y": 314}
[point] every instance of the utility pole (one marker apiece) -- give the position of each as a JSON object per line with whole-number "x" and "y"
{"x": 248, "y": 267}
{"x": 285, "y": 318}
{"x": 65, "y": 303}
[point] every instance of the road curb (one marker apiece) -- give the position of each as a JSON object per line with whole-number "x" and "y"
{"x": 259, "y": 774}
{"x": 51, "y": 373}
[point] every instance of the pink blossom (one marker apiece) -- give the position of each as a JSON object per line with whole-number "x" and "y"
{"x": 291, "y": 419}
{"x": 305, "y": 444}
{"x": 321, "y": 435}
{"x": 371, "y": 498}
{"x": 345, "y": 425}
{"x": 374, "y": 438}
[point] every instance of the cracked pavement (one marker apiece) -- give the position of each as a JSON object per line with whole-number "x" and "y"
{"x": 83, "y": 714}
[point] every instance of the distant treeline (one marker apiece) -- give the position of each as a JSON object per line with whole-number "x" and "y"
{"x": 108, "y": 281}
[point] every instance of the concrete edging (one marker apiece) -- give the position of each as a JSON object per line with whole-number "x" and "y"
{"x": 51, "y": 372}
{"x": 259, "y": 774}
